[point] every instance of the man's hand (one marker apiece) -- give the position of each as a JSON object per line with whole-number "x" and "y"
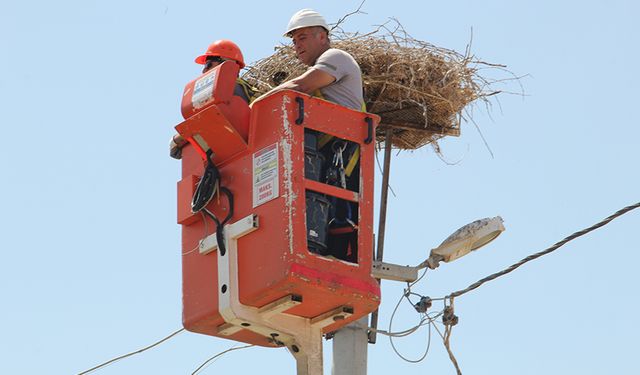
{"x": 175, "y": 146}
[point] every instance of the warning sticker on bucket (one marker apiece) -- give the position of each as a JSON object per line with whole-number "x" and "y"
{"x": 265, "y": 175}
{"x": 203, "y": 90}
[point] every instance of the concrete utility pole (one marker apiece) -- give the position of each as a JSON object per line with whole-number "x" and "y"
{"x": 350, "y": 349}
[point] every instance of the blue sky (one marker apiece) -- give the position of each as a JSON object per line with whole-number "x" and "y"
{"x": 90, "y": 92}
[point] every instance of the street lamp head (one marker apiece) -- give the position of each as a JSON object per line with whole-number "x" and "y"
{"x": 466, "y": 239}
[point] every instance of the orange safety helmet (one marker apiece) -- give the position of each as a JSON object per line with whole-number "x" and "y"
{"x": 223, "y": 48}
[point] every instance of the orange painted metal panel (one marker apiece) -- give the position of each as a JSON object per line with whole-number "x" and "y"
{"x": 213, "y": 87}
{"x": 331, "y": 190}
{"x": 218, "y": 133}
{"x": 186, "y": 188}
{"x": 274, "y": 260}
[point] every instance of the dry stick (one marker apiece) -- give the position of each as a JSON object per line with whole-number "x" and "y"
{"x": 341, "y": 20}
{"x": 467, "y": 52}
{"x": 484, "y": 140}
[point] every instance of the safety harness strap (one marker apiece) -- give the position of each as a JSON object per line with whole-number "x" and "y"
{"x": 249, "y": 91}
{"x": 326, "y": 138}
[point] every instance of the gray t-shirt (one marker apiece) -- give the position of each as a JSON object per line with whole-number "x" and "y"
{"x": 346, "y": 90}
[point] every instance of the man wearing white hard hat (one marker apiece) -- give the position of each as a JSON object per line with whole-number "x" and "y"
{"x": 333, "y": 73}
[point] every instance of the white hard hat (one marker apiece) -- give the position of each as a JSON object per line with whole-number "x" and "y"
{"x": 305, "y": 18}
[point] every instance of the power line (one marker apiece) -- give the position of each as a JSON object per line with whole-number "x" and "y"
{"x": 448, "y": 329}
{"x": 132, "y": 353}
{"x": 604, "y": 222}
{"x": 425, "y": 319}
{"x": 202, "y": 366}
{"x": 449, "y": 310}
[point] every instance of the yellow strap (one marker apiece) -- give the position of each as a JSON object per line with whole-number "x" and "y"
{"x": 249, "y": 90}
{"x": 318, "y": 94}
{"x": 326, "y": 138}
{"x": 352, "y": 162}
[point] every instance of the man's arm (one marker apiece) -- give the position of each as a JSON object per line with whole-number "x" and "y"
{"x": 309, "y": 81}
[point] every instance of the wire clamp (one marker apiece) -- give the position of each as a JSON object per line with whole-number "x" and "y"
{"x": 448, "y": 317}
{"x": 423, "y": 305}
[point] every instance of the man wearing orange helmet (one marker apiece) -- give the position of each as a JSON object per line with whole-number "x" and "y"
{"x": 221, "y": 51}
{"x": 217, "y": 53}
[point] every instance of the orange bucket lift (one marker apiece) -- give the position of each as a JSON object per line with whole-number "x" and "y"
{"x": 297, "y": 248}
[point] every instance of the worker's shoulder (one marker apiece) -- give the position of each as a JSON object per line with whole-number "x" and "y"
{"x": 336, "y": 53}
{"x": 337, "y": 57}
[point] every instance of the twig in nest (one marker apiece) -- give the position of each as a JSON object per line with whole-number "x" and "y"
{"x": 343, "y": 18}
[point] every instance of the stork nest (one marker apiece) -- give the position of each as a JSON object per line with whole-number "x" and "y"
{"x": 419, "y": 90}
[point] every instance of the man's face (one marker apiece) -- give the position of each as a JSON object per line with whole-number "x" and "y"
{"x": 309, "y": 43}
{"x": 212, "y": 62}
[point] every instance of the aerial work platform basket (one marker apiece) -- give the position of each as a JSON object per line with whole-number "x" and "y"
{"x": 298, "y": 248}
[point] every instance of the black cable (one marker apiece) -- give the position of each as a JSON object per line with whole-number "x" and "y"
{"x": 207, "y": 185}
{"x": 220, "y": 224}
{"x": 206, "y": 189}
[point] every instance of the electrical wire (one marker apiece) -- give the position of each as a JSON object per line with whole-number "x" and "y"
{"x": 418, "y": 279}
{"x": 449, "y": 325}
{"x": 207, "y": 187}
{"x": 437, "y": 329}
{"x": 130, "y": 354}
{"x": 445, "y": 339}
{"x": 449, "y": 319}
{"x": 206, "y": 233}
{"x": 425, "y": 319}
{"x": 220, "y": 224}
{"x": 405, "y": 294}
{"x": 406, "y": 333}
{"x": 448, "y": 329}
{"x": 408, "y": 292}
{"x": 209, "y": 361}
{"x": 575, "y": 235}
{"x": 380, "y": 170}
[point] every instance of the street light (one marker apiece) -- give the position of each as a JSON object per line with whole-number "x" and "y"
{"x": 463, "y": 241}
